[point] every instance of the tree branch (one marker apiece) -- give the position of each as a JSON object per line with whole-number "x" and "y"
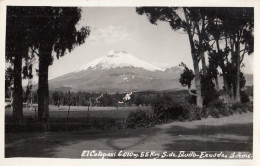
{"x": 199, "y": 58}
{"x": 193, "y": 31}
{"x": 243, "y": 55}
{"x": 193, "y": 94}
{"x": 33, "y": 50}
{"x": 213, "y": 43}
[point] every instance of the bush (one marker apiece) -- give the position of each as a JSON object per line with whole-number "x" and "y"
{"x": 237, "y": 105}
{"x": 191, "y": 112}
{"x": 244, "y": 97}
{"x": 216, "y": 103}
{"x": 190, "y": 98}
{"x": 242, "y": 107}
{"x": 136, "y": 119}
{"x": 249, "y": 107}
{"x": 217, "y": 108}
{"x": 166, "y": 108}
{"x": 214, "y": 112}
{"x": 208, "y": 94}
{"x": 171, "y": 108}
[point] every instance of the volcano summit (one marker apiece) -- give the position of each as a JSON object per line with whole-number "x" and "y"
{"x": 118, "y": 71}
{"x": 118, "y": 59}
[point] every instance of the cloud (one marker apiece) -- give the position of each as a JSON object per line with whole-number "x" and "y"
{"x": 110, "y": 35}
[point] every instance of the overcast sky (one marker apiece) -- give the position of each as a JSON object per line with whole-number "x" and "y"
{"x": 121, "y": 28}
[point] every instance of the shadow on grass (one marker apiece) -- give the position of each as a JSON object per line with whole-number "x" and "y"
{"x": 46, "y": 144}
{"x": 231, "y": 137}
{"x": 228, "y": 137}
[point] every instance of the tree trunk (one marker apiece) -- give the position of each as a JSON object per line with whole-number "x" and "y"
{"x": 228, "y": 91}
{"x": 17, "y": 91}
{"x": 199, "y": 100}
{"x": 43, "y": 87}
{"x": 237, "y": 96}
{"x": 203, "y": 62}
{"x": 216, "y": 84}
{"x": 201, "y": 48}
{"x": 216, "y": 79}
{"x": 43, "y": 96}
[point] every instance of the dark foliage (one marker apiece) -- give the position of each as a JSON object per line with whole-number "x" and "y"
{"x": 244, "y": 97}
{"x": 187, "y": 76}
{"x": 209, "y": 93}
{"x": 208, "y": 90}
{"x": 242, "y": 107}
{"x": 216, "y": 109}
{"x": 249, "y": 90}
{"x": 191, "y": 99}
{"x": 137, "y": 118}
{"x": 167, "y": 107}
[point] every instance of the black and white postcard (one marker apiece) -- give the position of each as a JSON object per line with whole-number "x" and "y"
{"x": 120, "y": 80}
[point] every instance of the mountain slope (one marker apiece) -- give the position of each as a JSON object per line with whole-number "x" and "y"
{"x": 119, "y": 71}
{"x": 117, "y": 80}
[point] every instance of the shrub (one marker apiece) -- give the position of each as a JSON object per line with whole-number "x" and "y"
{"x": 208, "y": 94}
{"x": 191, "y": 112}
{"x": 171, "y": 108}
{"x": 237, "y": 105}
{"x": 214, "y": 112}
{"x": 191, "y": 99}
{"x": 208, "y": 91}
{"x": 216, "y": 103}
{"x": 136, "y": 119}
{"x": 244, "y": 97}
{"x": 166, "y": 108}
{"x": 216, "y": 108}
{"x": 242, "y": 107}
{"x": 249, "y": 107}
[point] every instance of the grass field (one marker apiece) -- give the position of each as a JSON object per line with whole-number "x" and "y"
{"x": 79, "y": 117}
{"x": 82, "y": 111}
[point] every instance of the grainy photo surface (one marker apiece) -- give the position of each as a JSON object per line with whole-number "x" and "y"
{"x": 129, "y": 82}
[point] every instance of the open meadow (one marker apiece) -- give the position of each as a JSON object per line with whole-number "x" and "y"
{"x": 79, "y": 117}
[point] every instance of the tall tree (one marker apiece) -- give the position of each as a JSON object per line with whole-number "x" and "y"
{"x": 17, "y": 45}
{"x": 58, "y": 24}
{"x": 232, "y": 32}
{"x": 239, "y": 29}
{"x": 193, "y": 22}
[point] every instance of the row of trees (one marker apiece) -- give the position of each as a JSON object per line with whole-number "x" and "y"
{"x": 43, "y": 32}
{"x": 83, "y": 98}
{"x": 224, "y": 34}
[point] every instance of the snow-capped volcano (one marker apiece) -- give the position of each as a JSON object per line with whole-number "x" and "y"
{"x": 118, "y": 71}
{"x": 118, "y": 59}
